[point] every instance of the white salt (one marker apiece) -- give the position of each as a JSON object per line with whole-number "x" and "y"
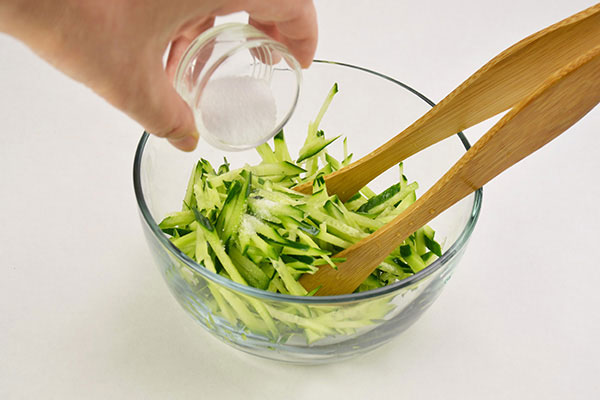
{"x": 238, "y": 110}
{"x": 264, "y": 208}
{"x": 247, "y": 225}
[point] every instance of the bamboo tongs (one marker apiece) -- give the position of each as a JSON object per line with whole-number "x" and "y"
{"x": 549, "y": 81}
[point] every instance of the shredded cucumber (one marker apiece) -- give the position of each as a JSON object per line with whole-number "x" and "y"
{"x": 249, "y": 225}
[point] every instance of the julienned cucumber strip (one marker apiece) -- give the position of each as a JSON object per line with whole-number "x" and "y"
{"x": 249, "y": 225}
{"x": 314, "y": 147}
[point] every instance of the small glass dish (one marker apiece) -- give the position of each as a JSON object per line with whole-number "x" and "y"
{"x": 241, "y": 85}
{"x": 369, "y": 109}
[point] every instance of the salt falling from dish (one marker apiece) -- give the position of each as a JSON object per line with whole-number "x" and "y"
{"x": 238, "y": 110}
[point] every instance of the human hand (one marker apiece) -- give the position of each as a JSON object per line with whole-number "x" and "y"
{"x": 116, "y": 47}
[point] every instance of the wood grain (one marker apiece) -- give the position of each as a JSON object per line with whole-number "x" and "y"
{"x": 494, "y": 88}
{"x": 564, "y": 98}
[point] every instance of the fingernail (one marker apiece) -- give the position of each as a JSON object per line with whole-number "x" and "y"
{"x": 186, "y": 143}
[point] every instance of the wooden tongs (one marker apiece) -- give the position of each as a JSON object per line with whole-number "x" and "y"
{"x": 549, "y": 81}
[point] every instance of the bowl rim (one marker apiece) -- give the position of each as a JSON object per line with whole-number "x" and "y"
{"x": 458, "y": 244}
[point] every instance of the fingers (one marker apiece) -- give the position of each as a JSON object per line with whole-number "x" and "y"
{"x": 299, "y": 34}
{"x": 164, "y": 113}
{"x": 292, "y": 22}
{"x": 159, "y": 108}
{"x": 170, "y": 117}
{"x": 267, "y": 27}
{"x": 161, "y": 111}
{"x": 184, "y": 37}
{"x": 270, "y": 29}
{"x": 178, "y": 47}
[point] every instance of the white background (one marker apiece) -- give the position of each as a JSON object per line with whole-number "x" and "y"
{"x": 84, "y": 313}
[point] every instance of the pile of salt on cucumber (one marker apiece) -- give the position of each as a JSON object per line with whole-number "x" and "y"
{"x": 249, "y": 225}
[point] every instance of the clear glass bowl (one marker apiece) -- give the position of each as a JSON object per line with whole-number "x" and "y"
{"x": 369, "y": 109}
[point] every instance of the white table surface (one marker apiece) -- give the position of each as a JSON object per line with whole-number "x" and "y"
{"x": 84, "y": 313}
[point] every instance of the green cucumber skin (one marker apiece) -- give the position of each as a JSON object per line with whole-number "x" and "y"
{"x": 250, "y": 226}
{"x": 308, "y": 151}
{"x": 219, "y": 201}
{"x": 282, "y": 168}
{"x": 322, "y": 217}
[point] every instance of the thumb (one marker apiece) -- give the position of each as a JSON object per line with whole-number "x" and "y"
{"x": 162, "y": 112}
